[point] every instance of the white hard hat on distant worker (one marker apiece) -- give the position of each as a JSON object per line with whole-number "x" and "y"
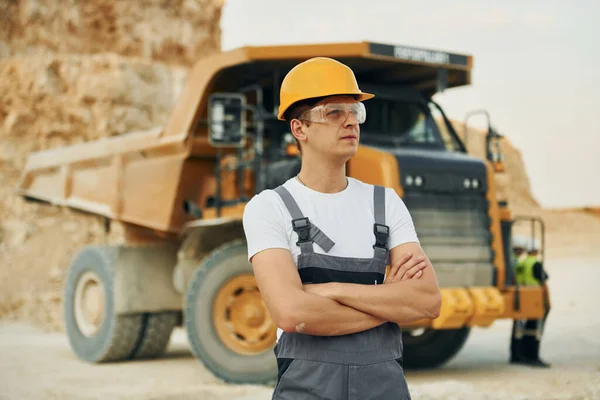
{"x": 520, "y": 242}
{"x": 526, "y": 243}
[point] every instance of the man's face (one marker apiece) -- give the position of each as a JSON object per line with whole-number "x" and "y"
{"x": 518, "y": 251}
{"x": 334, "y": 128}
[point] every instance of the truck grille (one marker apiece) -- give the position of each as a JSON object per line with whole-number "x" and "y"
{"x": 454, "y": 232}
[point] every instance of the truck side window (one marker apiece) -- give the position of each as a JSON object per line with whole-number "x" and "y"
{"x": 410, "y": 120}
{"x": 438, "y": 118}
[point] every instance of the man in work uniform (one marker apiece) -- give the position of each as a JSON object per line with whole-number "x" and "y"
{"x": 320, "y": 244}
{"x": 527, "y": 334}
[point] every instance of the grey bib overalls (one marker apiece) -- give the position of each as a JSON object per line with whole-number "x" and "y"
{"x": 360, "y": 366}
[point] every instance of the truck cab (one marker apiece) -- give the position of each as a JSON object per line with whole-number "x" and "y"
{"x": 406, "y": 143}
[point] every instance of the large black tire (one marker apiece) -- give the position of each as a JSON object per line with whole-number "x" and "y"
{"x": 156, "y": 333}
{"x": 432, "y": 348}
{"x": 116, "y": 337}
{"x": 221, "y": 265}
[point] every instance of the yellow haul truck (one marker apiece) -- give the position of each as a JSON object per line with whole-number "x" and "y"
{"x": 180, "y": 191}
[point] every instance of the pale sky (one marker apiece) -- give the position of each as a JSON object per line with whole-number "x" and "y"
{"x": 536, "y": 68}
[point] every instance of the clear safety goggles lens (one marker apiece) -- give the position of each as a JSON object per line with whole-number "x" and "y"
{"x": 336, "y": 113}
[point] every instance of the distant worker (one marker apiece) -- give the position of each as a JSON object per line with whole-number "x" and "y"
{"x": 319, "y": 246}
{"x": 527, "y": 334}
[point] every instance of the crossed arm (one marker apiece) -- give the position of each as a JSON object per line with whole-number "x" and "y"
{"x": 409, "y": 293}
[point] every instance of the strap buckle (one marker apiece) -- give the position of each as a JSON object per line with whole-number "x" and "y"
{"x": 382, "y": 232}
{"x": 302, "y": 227}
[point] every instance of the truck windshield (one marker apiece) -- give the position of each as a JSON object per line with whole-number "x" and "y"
{"x": 405, "y": 123}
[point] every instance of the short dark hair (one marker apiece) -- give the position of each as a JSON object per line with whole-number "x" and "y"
{"x": 296, "y": 110}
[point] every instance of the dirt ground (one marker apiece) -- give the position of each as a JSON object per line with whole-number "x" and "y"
{"x": 38, "y": 365}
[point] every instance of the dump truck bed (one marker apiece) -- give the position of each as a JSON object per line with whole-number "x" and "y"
{"x": 112, "y": 177}
{"x": 144, "y": 178}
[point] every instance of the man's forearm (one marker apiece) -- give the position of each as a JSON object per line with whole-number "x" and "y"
{"x": 316, "y": 315}
{"x": 401, "y": 302}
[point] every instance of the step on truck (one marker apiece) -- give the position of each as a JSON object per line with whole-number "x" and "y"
{"x": 179, "y": 191}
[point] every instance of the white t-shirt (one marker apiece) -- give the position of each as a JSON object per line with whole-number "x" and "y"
{"x": 346, "y": 217}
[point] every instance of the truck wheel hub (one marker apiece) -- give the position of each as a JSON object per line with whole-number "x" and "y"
{"x": 241, "y": 319}
{"x": 89, "y": 303}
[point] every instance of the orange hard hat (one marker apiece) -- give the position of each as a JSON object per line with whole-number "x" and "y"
{"x": 318, "y": 77}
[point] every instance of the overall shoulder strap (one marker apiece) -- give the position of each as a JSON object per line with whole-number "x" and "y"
{"x": 380, "y": 229}
{"x": 306, "y": 231}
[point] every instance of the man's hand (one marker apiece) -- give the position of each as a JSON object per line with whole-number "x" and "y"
{"x": 407, "y": 267}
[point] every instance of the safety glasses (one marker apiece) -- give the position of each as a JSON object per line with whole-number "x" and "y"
{"x": 335, "y": 113}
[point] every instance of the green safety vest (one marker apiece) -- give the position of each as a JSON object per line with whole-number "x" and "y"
{"x": 524, "y": 271}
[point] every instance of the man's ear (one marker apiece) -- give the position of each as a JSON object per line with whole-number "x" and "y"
{"x": 298, "y": 130}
